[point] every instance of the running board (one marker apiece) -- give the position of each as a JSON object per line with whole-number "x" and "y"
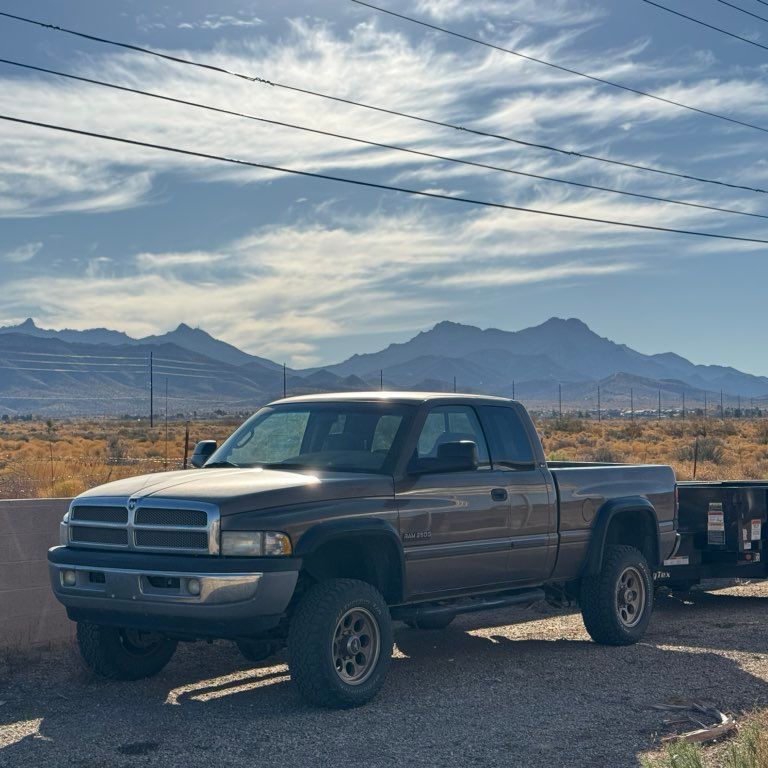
{"x": 473, "y": 605}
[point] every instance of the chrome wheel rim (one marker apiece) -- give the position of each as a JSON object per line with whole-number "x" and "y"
{"x": 630, "y": 597}
{"x": 355, "y": 646}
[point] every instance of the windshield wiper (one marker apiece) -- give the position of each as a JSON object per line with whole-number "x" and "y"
{"x": 215, "y": 464}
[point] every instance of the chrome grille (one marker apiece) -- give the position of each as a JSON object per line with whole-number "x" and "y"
{"x": 158, "y": 525}
{"x": 181, "y": 518}
{"x": 101, "y": 514}
{"x": 114, "y": 537}
{"x": 171, "y": 539}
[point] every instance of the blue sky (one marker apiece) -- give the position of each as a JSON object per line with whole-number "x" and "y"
{"x": 96, "y": 234}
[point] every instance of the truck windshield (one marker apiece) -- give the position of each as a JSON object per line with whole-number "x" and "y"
{"x": 343, "y": 437}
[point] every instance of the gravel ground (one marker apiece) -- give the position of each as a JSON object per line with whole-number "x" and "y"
{"x": 510, "y": 688}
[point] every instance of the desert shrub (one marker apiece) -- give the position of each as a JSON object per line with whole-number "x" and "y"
{"x": 567, "y": 424}
{"x": 761, "y": 432}
{"x": 606, "y": 454}
{"x": 710, "y": 449}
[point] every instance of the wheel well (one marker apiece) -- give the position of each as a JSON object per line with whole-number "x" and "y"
{"x": 371, "y": 558}
{"x": 636, "y": 528}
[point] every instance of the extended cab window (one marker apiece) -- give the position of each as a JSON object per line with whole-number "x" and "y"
{"x": 448, "y": 424}
{"x": 510, "y": 445}
{"x": 344, "y": 437}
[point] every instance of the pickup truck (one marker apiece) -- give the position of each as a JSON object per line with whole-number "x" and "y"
{"x": 324, "y": 518}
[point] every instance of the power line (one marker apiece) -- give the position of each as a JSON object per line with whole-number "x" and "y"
{"x": 375, "y": 185}
{"x": 406, "y": 115}
{"x": 381, "y": 145}
{"x": 743, "y": 10}
{"x": 568, "y": 70}
{"x": 59, "y": 354}
{"x": 700, "y": 22}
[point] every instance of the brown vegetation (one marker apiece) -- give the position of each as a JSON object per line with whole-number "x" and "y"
{"x": 63, "y": 458}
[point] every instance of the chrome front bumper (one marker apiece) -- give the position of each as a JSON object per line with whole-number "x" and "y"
{"x": 199, "y": 595}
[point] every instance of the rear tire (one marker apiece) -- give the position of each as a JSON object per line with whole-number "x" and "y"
{"x": 617, "y": 603}
{"x": 340, "y": 643}
{"x": 430, "y": 622}
{"x": 123, "y": 654}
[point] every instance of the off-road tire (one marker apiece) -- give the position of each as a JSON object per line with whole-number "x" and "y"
{"x": 311, "y": 643}
{"x": 599, "y": 597}
{"x": 430, "y": 622}
{"x": 257, "y": 650}
{"x": 109, "y": 653}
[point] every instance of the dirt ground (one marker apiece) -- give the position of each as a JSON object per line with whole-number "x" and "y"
{"x": 512, "y": 688}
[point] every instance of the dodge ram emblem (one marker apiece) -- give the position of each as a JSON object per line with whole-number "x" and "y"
{"x": 131, "y": 505}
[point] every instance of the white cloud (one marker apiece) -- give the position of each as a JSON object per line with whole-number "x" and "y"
{"x": 23, "y": 253}
{"x": 279, "y": 290}
{"x": 217, "y": 21}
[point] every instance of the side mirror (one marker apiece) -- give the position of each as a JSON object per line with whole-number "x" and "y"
{"x": 203, "y": 451}
{"x": 457, "y": 457}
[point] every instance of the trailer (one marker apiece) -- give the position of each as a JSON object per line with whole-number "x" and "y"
{"x": 722, "y": 533}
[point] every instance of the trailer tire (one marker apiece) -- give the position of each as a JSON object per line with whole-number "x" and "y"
{"x": 616, "y": 604}
{"x": 123, "y": 654}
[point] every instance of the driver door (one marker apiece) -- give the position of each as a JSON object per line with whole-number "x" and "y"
{"x": 455, "y": 525}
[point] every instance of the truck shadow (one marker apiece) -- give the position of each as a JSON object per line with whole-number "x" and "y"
{"x": 455, "y": 692}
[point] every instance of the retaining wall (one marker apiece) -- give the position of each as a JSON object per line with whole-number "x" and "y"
{"x": 29, "y": 614}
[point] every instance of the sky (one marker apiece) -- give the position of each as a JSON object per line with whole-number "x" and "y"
{"x": 309, "y": 271}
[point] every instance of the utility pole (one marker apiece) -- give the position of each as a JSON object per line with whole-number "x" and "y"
{"x": 560, "y": 399}
{"x": 186, "y": 444}
{"x": 381, "y": 379}
{"x": 659, "y": 405}
{"x": 151, "y": 389}
{"x": 683, "y": 406}
{"x": 722, "y": 411}
{"x": 632, "y": 403}
{"x": 513, "y": 389}
{"x": 705, "y": 405}
{"x": 165, "y": 466}
{"x": 285, "y": 391}
{"x": 599, "y": 417}
{"x": 738, "y": 408}
{"x": 454, "y": 383}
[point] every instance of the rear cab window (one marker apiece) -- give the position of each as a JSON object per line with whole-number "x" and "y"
{"x": 510, "y": 444}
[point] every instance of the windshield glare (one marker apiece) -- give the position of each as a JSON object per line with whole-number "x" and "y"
{"x": 345, "y": 437}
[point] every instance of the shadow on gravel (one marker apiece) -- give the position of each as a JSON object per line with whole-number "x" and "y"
{"x": 452, "y": 698}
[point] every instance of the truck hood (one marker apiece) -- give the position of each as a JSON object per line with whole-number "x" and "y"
{"x": 236, "y": 490}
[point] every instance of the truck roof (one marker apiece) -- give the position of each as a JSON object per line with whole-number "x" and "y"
{"x": 394, "y": 397}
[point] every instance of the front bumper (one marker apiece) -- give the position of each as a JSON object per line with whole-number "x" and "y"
{"x": 185, "y": 596}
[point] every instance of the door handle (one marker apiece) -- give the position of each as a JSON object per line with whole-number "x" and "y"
{"x": 499, "y": 494}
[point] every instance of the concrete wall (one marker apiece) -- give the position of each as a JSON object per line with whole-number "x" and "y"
{"x": 29, "y": 615}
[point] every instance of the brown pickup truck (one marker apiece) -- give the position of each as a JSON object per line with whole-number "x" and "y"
{"x": 322, "y": 519}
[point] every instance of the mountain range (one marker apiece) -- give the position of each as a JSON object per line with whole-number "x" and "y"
{"x": 106, "y": 371}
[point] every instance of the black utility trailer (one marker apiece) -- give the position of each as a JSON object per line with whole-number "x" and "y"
{"x": 723, "y": 533}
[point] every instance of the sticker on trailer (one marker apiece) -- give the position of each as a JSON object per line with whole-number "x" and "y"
{"x": 756, "y": 530}
{"x": 715, "y": 524}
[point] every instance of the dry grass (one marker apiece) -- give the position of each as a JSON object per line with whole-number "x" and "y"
{"x": 63, "y": 458}
{"x": 727, "y": 449}
{"x": 748, "y": 750}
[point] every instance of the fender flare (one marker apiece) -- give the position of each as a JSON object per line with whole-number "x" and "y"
{"x": 605, "y": 515}
{"x": 334, "y": 530}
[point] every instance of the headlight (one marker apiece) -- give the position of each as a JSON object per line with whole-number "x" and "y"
{"x": 255, "y": 544}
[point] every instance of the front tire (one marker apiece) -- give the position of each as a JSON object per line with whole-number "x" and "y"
{"x": 340, "y": 643}
{"x": 123, "y": 654}
{"x": 617, "y": 603}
